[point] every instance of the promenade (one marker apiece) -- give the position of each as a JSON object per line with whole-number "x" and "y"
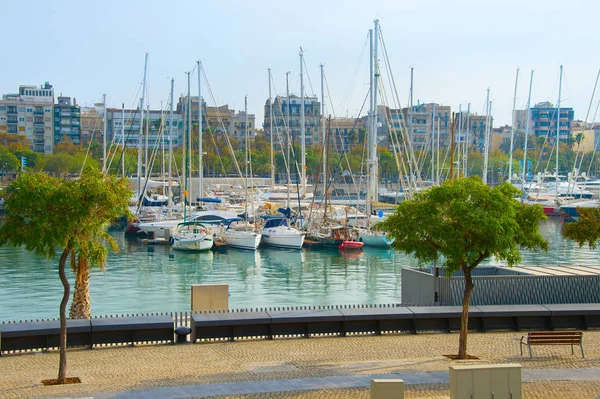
{"x": 303, "y": 368}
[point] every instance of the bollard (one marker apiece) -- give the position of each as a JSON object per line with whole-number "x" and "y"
{"x": 387, "y": 389}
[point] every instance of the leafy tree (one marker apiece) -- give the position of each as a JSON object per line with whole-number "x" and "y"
{"x": 8, "y": 162}
{"x": 586, "y": 229}
{"x": 14, "y": 141}
{"x": 44, "y": 213}
{"x": 462, "y": 222}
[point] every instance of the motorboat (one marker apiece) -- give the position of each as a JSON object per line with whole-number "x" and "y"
{"x": 192, "y": 236}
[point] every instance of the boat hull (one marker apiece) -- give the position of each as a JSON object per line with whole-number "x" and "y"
{"x": 195, "y": 245}
{"x": 351, "y": 245}
{"x": 282, "y": 238}
{"x": 376, "y": 241}
{"x": 242, "y": 241}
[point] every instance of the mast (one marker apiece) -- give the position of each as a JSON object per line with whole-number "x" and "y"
{"x": 169, "y": 193}
{"x": 558, "y": 128}
{"x": 141, "y": 132}
{"x": 371, "y": 117}
{"x": 451, "y": 172}
{"x": 432, "y": 144}
{"x": 527, "y": 130}
{"x": 410, "y": 128}
{"x": 438, "y": 152}
{"x": 271, "y": 124}
{"x": 373, "y": 150}
{"x": 185, "y": 150}
{"x": 488, "y": 106}
{"x": 458, "y": 149}
{"x": 122, "y": 139}
{"x": 289, "y": 162}
{"x": 512, "y": 130}
{"x": 302, "y": 123}
{"x": 466, "y": 147}
{"x": 146, "y": 163}
{"x": 323, "y": 114}
{"x": 247, "y": 161}
{"x": 104, "y": 137}
{"x": 200, "y": 153}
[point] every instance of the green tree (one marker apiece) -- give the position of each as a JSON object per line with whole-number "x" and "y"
{"x": 8, "y": 161}
{"x": 586, "y": 229}
{"x": 44, "y": 213}
{"x": 461, "y": 223}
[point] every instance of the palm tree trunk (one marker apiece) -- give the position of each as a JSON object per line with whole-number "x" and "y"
{"x": 464, "y": 318}
{"x": 80, "y": 306}
{"x": 62, "y": 366}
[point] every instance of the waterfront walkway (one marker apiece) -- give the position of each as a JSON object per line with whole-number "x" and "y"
{"x": 298, "y": 368}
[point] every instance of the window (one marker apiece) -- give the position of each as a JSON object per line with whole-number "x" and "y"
{"x": 46, "y": 109}
{"x": 29, "y": 109}
{"x": 21, "y": 109}
{"x": 21, "y": 119}
{"x": 2, "y": 107}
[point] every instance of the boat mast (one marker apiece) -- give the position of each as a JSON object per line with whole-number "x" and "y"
{"x": 373, "y": 150}
{"x": 200, "y": 153}
{"x": 185, "y": 150}
{"x": 369, "y": 199}
{"x": 104, "y": 137}
{"x": 433, "y": 144}
{"x": 122, "y": 139}
{"x": 141, "y": 132}
{"x": 512, "y": 130}
{"x": 271, "y": 132}
{"x": 302, "y": 124}
{"x": 488, "y": 106}
{"x": 146, "y": 163}
{"x": 558, "y": 128}
{"x": 458, "y": 150}
{"x": 527, "y": 131}
{"x": 323, "y": 116}
{"x": 170, "y": 141}
{"x": 288, "y": 144}
{"x": 438, "y": 152}
{"x": 410, "y": 124}
{"x": 466, "y": 147}
{"x": 247, "y": 160}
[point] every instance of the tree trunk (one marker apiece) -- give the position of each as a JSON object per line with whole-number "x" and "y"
{"x": 464, "y": 318}
{"x": 80, "y": 306}
{"x": 62, "y": 366}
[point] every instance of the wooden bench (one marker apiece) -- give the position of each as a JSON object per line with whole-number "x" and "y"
{"x": 552, "y": 338}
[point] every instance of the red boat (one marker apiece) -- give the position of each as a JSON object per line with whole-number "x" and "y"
{"x": 347, "y": 245}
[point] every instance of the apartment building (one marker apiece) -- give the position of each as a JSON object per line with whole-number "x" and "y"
{"x": 29, "y": 113}
{"x": 124, "y": 125}
{"x": 281, "y": 110}
{"x": 67, "y": 121}
{"x": 471, "y": 127}
{"x": 542, "y": 121}
{"x": 92, "y": 123}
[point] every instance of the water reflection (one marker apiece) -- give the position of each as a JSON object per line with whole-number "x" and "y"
{"x": 142, "y": 278}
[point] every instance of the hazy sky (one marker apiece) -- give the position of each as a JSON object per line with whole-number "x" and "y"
{"x": 457, "y": 49}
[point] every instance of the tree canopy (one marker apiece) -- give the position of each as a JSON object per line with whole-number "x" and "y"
{"x": 586, "y": 230}
{"x": 461, "y": 223}
{"x": 44, "y": 213}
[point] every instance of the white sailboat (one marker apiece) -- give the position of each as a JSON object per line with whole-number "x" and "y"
{"x": 240, "y": 233}
{"x": 192, "y": 236}
{"x": 367, "y": 235}
{"x": 277, "y": 231}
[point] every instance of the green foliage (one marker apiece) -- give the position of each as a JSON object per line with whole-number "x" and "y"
{"x": 586, "y": 230}
{"x": 44, "y": 213}
{"x": 8, "y": 161}
{"x": 462, "y": 222}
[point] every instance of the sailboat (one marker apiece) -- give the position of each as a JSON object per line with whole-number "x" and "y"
{"x": 192, "y": 236}
{"x": 277, "y": 231}
{"x": 368, "y": 235}
{"x": 240, "y": 233}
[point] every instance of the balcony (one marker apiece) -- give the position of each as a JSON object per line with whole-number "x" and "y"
{"x": 74, "y": 123}
{"x": 11, "y": 111}
{"x": 65, "y": 113}
{"x": 38, "y": 112}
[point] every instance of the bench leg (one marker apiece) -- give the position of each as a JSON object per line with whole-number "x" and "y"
{"x": 572, "y": 352}
{"x": 581, "y": 347}
{"x": 530, "y": 355}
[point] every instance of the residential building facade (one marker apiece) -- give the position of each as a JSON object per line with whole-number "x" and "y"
{"x": 67, "y": 121}
{"x": 29, "y": 113}
{"x": 125, "y": 125}
{"x": 543, "y": 119}
{"x": 471, "y": 127}
{"x": 281, "y": 107}
{"x": 92, "y": 123}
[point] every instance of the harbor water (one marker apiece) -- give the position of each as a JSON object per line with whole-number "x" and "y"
{"x": 142, "y": 278}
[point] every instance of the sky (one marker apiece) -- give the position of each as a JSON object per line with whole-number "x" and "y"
{"x": 457, "y": 49}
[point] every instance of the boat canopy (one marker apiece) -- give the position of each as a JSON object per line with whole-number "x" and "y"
{"x": 208, "y": 199}
{"x": 275, "y": 222}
